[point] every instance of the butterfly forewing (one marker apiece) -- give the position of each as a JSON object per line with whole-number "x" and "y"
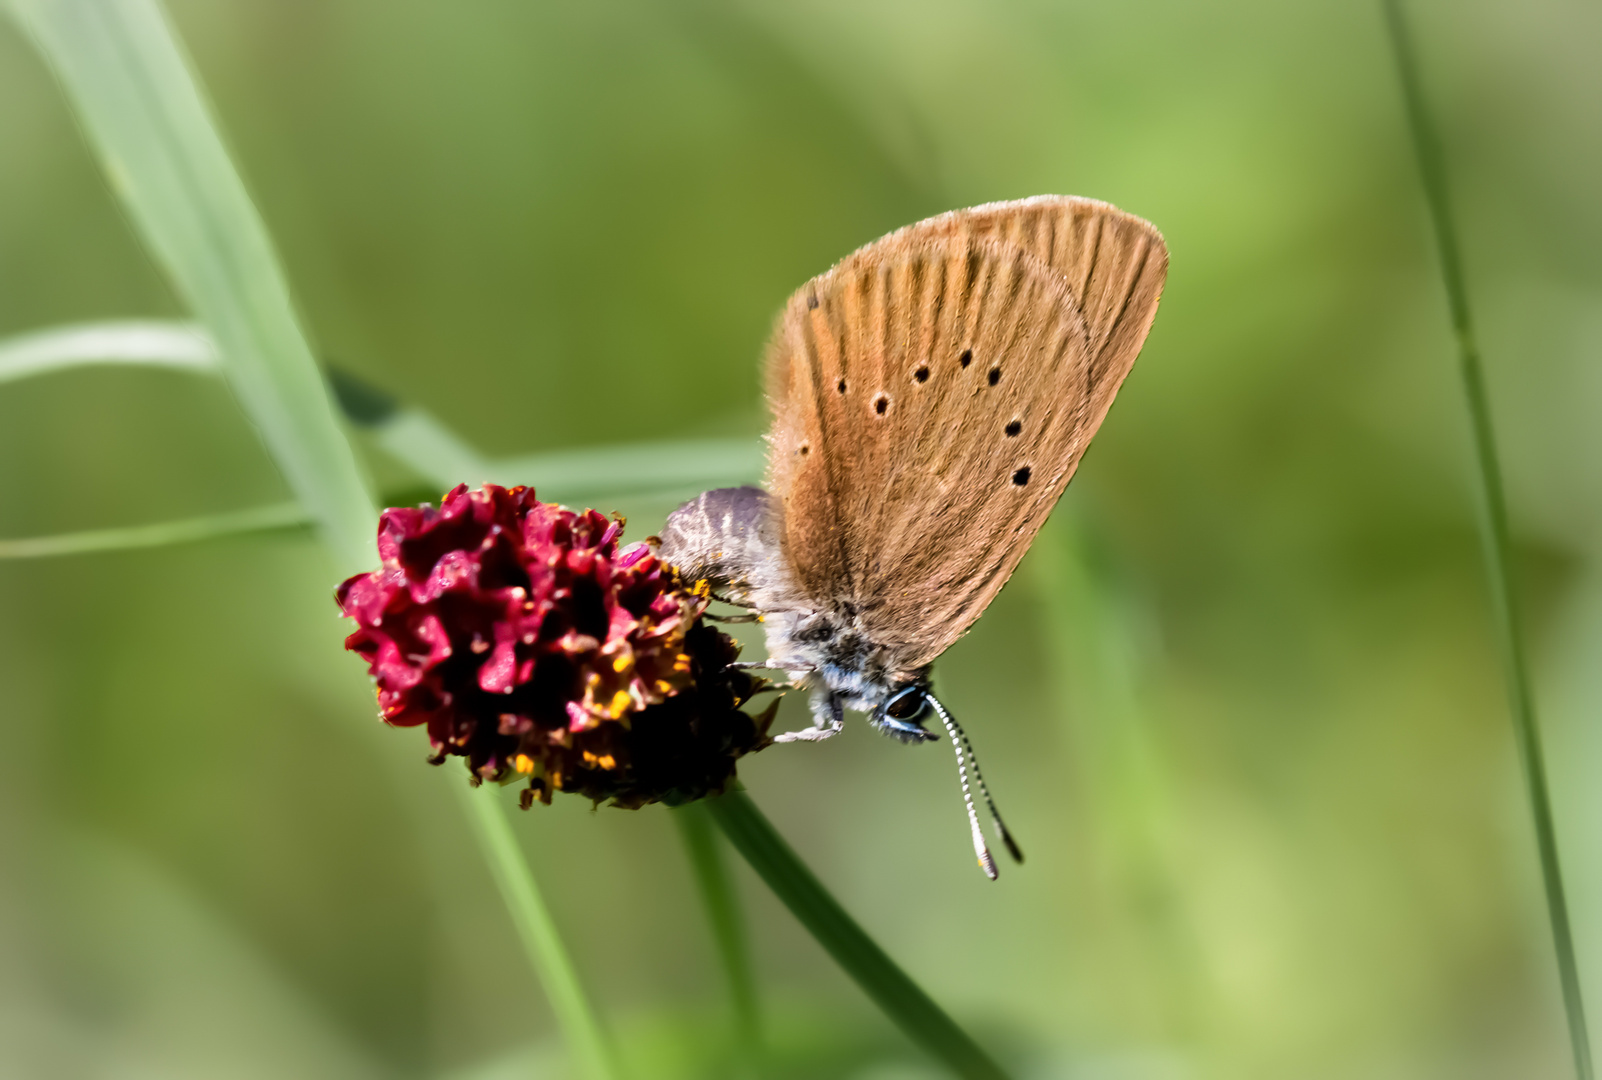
{"x": 1114, "y": 264}
{"x": 932, "y": 395}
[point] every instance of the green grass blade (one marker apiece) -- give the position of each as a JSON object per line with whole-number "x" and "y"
{"x": 912, "y": 1010}
{"x": 144, "y": 115}
{"x": 150, "y": 342}
{"x": 162, "y": 534}
{"x": 728, "y": 929}
{"x": 430, "y": 449}
{"x": 1494, "y": 529}
{"x": 692, "y": 465}
{"x": 591, "y": 1049}
{"x": 420, "y": 441}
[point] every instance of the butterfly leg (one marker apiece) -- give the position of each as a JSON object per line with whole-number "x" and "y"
{"x": 748, "y": 617}
{"x": 828, "y": 718}
{"x": 809, "y": 734}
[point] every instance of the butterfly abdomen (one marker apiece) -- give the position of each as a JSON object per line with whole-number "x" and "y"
{"x": 728, "y": 538}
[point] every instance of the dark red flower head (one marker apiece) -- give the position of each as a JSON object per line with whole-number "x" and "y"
{"x": 530, "y": 645}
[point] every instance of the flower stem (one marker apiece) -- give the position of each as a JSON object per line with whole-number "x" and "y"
{"x": 1494, "y": 529}
{"x": 912, "y": 1010}
{"x": 728, "y": 930}
{"x": 585, "y": 1037}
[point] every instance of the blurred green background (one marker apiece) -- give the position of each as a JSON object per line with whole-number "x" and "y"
{"x": 1240, "y": 703}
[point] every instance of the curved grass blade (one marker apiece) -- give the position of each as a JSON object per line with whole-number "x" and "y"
{"x": 145, "y": 118}
{"x": 541, "y": 941}
{"x": 148, "y": 342}
{"x": 163, "y": 534}
{"x": 912, "y": 1010}
{"x": 1494, "y": 531}
{"x": 728, "y": 930}
{"x": 143, "y": 111}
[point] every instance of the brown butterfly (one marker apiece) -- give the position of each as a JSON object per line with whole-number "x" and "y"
{"x": 932, "y": 394}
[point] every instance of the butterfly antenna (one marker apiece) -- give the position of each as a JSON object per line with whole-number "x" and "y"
{"x": 986, "y": 863}
{"x": 959, "y": 739}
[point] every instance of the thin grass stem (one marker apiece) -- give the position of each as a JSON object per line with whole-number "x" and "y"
{"x": 902, "y": 1000}
{"x": 728, "y": 928}
{"x": 1494, "y": 527}
{"x": 162, "y": 534}
{"x": 592, "y": 1051}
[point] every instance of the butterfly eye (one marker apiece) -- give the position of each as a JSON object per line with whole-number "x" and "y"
{"x": 909, "y": 704}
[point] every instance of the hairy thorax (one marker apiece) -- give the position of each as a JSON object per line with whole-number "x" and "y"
{"x": 731, "y": 539}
